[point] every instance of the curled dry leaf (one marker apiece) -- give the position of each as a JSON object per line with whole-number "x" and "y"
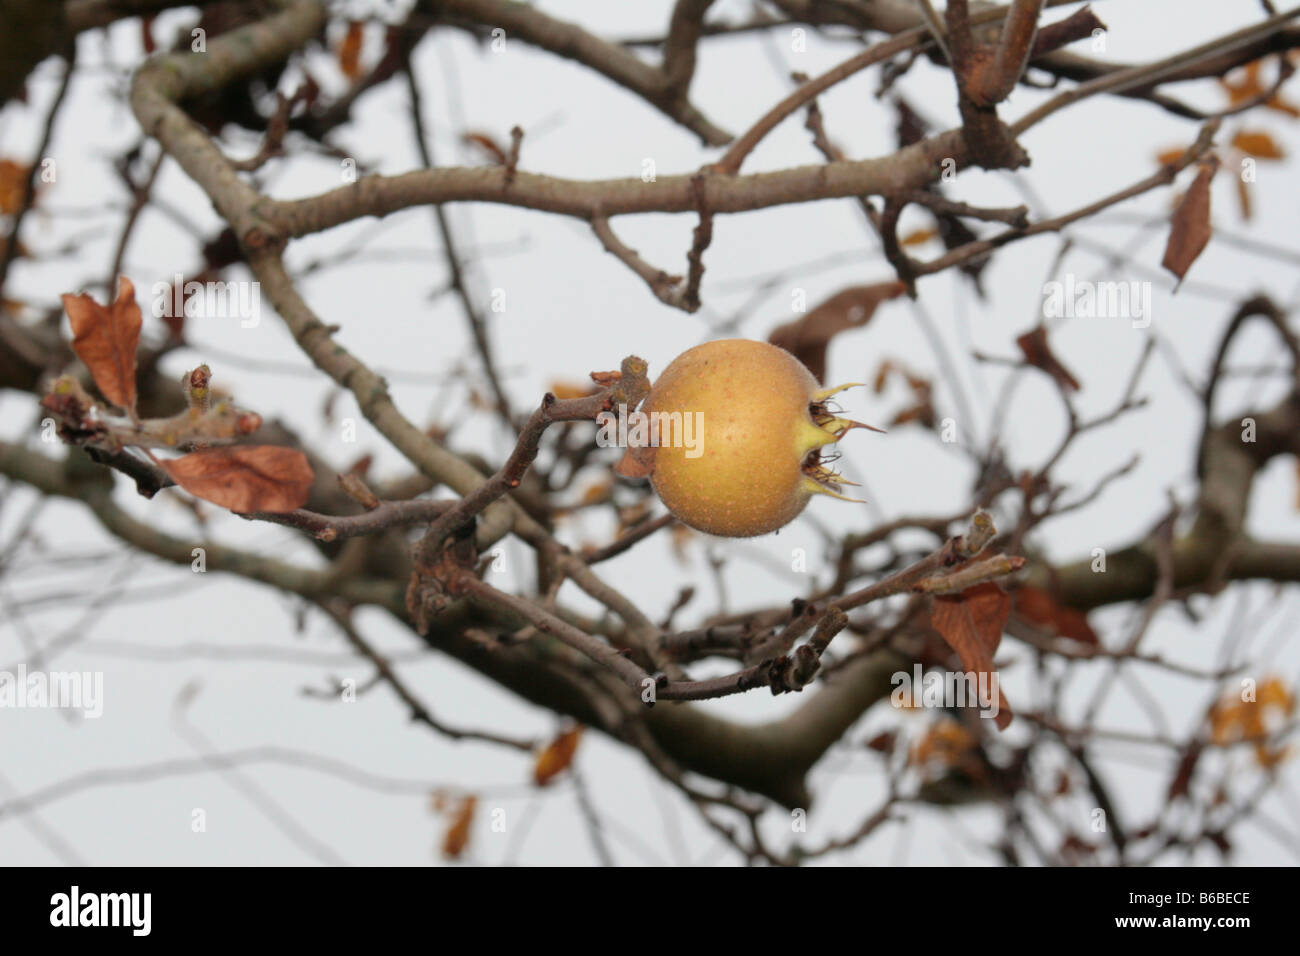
{"x": 106, "y": 340}
{"x": 919, "y": 236}
{"x": 1189, "y": 228}
{"x": 557, "y": 756}
{"x": 971, "y": 624}
{"x": 1170, "y": 156}
{"x": 488, "y": 145}
{"x": 566, "y": 390}
{"x": 245, "y": 478}
{"x": 13, "y": 185}
{"x": 349, "y": 52}
{"x": 808, "y": 337}
{"x": 922, "y": 410}
{"x": 1041, "y": 609}
{"x": 1256, "y": 721}
{"x": 456, "y": 838}
{"x": 1039, "y": 354}
{"x": 946, "y": 745}
{"x": 1258, "y": 144}
{"x": 1247, "y": 84}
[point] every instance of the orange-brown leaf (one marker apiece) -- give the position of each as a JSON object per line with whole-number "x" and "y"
{"x": 456, "y": 838}
{"x": 1244, "y": 85}
{"x": 245, "y": 478}
{"x": 1258, "y": 144}
{"x": 945, "y": 745}
{"x": 808, "y": 337}
{"x": 1276, "y": 103}
{"x": 1041, "y": 609}
{"x": 349, "y": 52}
{"x": 596, "y": 493}
{"x": 1039, "y": 354}
{"x": 13, "y": 185}
{"x": 1189, "y": 227}
{"x": 565, "y": 390}
{"x": 488, "y": 145}
{"x": 557, "y": 756}
{"x": 1170, "y": 156}
{"x": 918, "y": 236}
{"x": 971, "y": 624}
{"x": 106, "y": 340}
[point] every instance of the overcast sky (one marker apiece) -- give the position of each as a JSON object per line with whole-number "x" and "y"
{"x": 239, "y": 656}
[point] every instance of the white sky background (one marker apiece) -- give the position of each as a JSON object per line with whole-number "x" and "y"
{"x": 571, "y": 309}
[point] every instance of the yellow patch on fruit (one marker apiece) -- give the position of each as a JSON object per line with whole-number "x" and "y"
{"x": 763, "y": 420}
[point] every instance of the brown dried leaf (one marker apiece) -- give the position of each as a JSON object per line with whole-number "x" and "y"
{"x": 596, "y": 493}
{"x": 808, "y": 337}
{"x": 1039, "y": 354}
{"x": 1242, "y": 86}
{"x": 488, "y": 145}
{"x": 349, "y": 51}
{"x": 245, "y": 478}
{"x": 1041, "y": 609}
{"x": 106, "y": 340}
{"x": 883, "y": 742}
{"x": 566, "y": 390}
{"x": 1243, "y": 199}
{"x": 1189, "y": 227}
{"x": 1258, "y": 144}
{"x": 1170, "y": 156}
{"x": 13, "y": 185}
{"x": 918, "y": 236}
{"x": 944, "y": 746}
{"x": 557, "y": 756}
{"x": 971, "y": 623}
{"x": 456, "y": 838}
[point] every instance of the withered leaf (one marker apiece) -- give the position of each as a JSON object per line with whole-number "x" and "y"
{"x": 567, "y": 390}
{"x": 106, "y": 340}
{"x": 488, "y": 145}
{"x": 456, "y": 838}
{"x": 557, "y": 756}
{"x": 1247, "y": 84}
{"x": 1189, "y": 227}
{"x": 807, "y": 337}
{"x": 1039, "y": 354}
{"x": 1258, "y": 144}
{"x": 13, "y": 185}
{"x": 1041, "y": 609}
{"x": 971, "y": 623}
{"x": 349, "y": 52}
{"x": 919, "y": 236}
{"x": 1170, "y": 156}
{"x": 245, "y": 478}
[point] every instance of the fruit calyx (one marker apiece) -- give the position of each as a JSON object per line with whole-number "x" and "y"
{"x": 828, "y": 427}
